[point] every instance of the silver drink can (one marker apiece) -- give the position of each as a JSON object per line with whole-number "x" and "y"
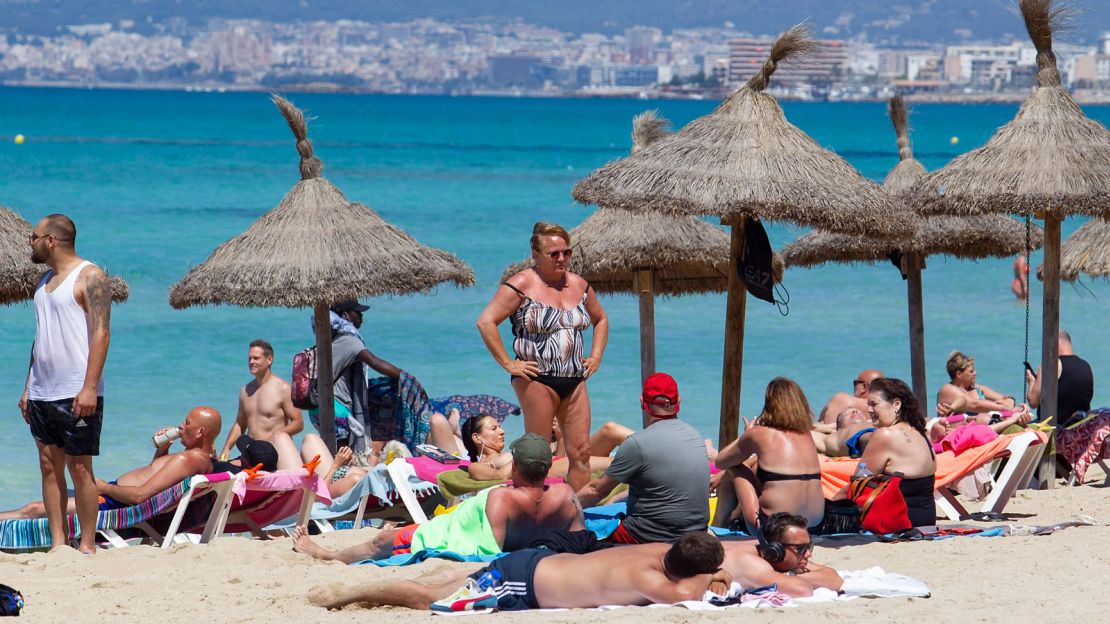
{"x": 169, "y": 435}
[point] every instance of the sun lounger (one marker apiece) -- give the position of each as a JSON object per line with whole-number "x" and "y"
{"x": 245, "y": 503}
{"x": 374, "y": 496}
{"x": 1022, "y": 450}
{"x": 34, "y": 533}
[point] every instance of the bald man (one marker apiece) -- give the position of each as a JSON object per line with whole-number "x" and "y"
{"x": 198, "y": 433}
{"x": 858, "y": 399}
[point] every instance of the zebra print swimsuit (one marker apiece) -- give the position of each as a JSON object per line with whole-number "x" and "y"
{"x": 551, "y": 337}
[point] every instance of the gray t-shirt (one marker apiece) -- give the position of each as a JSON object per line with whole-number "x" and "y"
{"x": 667, "y": 472}
{"x": 344, "y": 352}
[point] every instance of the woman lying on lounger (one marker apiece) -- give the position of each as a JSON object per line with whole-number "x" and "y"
{"x": 338, "y": 472}
{"x": 485, "y": 445}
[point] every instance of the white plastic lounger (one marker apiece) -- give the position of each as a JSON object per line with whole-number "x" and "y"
{"x": 1023, "y": 453}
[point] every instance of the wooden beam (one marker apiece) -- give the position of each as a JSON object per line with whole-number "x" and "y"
{"x": 1050, "y": 333}
{"x": 914, "y": 265}
{"x": 324, "y": 376}
{"x": 645, "y": 288}
{"x": 734, "y": 341}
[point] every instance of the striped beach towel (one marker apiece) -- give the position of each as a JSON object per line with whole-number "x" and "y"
{"x": 35, "y": 533}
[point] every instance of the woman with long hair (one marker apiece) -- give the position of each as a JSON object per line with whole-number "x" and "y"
{"x": 550, "y": 308}
{"x": 787, "y": 473}
{"x": 484, "y": 440}
{"x": 900, "y": 446}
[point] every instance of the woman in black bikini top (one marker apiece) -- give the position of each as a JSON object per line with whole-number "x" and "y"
{"x": 788, "y": 475}
{"x": 901, "y": 446}
{"x": 549, "y": 308}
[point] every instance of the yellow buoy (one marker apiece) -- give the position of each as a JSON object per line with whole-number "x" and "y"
{"x": 954, "y": 140}
{"x": 19, "y": 139}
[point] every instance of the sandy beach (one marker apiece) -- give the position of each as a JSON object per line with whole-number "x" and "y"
{"x": 1016, "y": 579}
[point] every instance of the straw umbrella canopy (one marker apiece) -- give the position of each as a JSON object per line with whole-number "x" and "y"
{"x": 1051, "y": 161}
{"x": 314, "y": 249}
{"x": 745, "y": 161}
{"x": 976, "y": 237}
{"x": 1087, "y": 250}
{"x": 18, "y": 275}
{"x": 647, "y": 254}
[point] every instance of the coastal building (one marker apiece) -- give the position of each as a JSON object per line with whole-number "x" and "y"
{"x": 815, "y": 72}
{"x": 640, "y": 42}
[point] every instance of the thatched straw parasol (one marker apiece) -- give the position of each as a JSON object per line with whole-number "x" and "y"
{"x": 18, "y": 275}
{"x": 1087, "y": 250}
{"x": 1050, "y": 161}
{"x": 316, "y": 248}
{"x": 975, "y": 237}
{"x": 745, "y": 160}
{"x": 647, "y": 254}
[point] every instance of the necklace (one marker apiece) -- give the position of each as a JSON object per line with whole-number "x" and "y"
{"x": 562, "y": 283}
{"x": 534, "y": 499}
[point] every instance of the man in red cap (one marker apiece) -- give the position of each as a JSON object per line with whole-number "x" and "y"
{"x": 666, "y": 469}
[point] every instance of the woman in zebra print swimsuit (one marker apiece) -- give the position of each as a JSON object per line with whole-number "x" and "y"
{"x": 549, "y": 307}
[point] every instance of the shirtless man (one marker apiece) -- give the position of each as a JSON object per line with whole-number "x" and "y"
{"x": 266, "y": 409}
{"x": 847, "y": 438}
{"x": 858, "y": 399}
{"x": 198, "y": 433}
{"x": 542, "y": 579}
{"x": 500, "y": 519}
{"x": 782, "y": 559}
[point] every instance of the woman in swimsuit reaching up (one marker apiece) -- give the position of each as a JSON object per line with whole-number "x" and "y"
{"x": 549, "y": 308}
{"x": 788, "y": 475}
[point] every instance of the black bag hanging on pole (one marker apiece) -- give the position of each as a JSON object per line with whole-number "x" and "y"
{"x": 754, "y": 265}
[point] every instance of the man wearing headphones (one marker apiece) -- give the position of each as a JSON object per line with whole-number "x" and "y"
{"x": 780, "y": 558}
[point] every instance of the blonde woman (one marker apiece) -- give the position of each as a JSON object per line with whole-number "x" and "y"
{"x": 787, "y": 474}
{"x": 550, "y": 308}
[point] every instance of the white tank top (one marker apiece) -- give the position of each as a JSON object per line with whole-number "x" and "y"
{"x": 62, "y": 339}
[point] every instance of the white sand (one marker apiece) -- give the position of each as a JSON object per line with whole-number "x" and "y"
{"x": 1055, "y": 578}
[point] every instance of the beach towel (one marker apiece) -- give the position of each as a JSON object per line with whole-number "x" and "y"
{"x": 836, "y": 471}
{"x": 965, "y": 437}
{"x": 470, "y": 405}
{"x": 1085, "y": 442}
{"x": 376, "y": 485}
{"x": 424, "y": 555}
{"x": 29, "y": 534}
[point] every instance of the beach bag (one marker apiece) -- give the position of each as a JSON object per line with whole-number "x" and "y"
{"x": 882, "y": 509}
{"x": 304, "y": 391}
{"x": 754, "y": 266}
{"x": 841, "y": 516}
{"x": 11, "y": 601}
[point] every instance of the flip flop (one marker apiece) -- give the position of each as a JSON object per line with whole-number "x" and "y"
{"x": 984, "y": 516}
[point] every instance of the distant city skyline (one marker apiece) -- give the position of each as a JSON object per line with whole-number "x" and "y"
{"x": 515, "y": 57}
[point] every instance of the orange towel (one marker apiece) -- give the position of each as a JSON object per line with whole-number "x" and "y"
{"x": 836, "y": 471}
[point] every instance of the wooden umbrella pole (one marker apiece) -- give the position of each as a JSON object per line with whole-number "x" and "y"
{"x": 914, "y": 265}
{"x": 734, "y": 340}
{"x": 645, "y": 288}
{"x": 324, "y": 376}
{"x": 1050, "y": 332}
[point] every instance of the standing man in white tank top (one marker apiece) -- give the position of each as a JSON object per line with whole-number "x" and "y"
{"x": 64, "y": 398}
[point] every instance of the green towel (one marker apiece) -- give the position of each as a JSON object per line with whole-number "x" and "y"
{"x": 458, "y": 482}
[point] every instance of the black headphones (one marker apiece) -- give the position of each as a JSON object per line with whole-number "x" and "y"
{"x": 772, "y": 552}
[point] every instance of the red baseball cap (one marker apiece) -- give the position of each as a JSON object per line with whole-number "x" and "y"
{"x": 660, "y": 395}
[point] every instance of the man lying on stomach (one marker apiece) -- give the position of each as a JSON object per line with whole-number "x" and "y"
{"x": 536, "y": 578}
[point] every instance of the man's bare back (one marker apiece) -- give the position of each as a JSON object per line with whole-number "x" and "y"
{"x": 516, "y": 516}
{"x": 625, "y": 575}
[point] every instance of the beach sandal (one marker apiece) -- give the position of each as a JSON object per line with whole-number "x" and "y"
{"x": 984, "y": 516}
{"x": 906, "y": 535}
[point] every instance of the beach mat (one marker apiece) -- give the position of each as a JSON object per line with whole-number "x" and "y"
{"x": 424, "y": 555}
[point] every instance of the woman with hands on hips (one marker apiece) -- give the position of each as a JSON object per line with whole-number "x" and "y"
{"x": 549, "y": 308}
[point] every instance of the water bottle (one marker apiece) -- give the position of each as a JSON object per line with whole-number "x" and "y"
{"x": 168, "y": 435}
{"x": 862, "y": 471}
{"x": 489, "y": 580}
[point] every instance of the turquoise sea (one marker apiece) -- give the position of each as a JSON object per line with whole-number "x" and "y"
{"x": 156, "y": 180}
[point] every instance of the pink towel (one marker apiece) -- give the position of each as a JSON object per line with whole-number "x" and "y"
{"x": 965, "y": 437}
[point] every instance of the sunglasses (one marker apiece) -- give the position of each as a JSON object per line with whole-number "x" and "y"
{"x": 800, "y": 549}
{"x": 555, "y": 255}
{"x": 859, "y": 382}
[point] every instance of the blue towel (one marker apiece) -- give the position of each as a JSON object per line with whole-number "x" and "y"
{"x": 423, "y": 555}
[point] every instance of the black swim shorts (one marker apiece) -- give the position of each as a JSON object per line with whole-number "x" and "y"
{"x": 516, "y": 590}
{"x": 53, "y": 424}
